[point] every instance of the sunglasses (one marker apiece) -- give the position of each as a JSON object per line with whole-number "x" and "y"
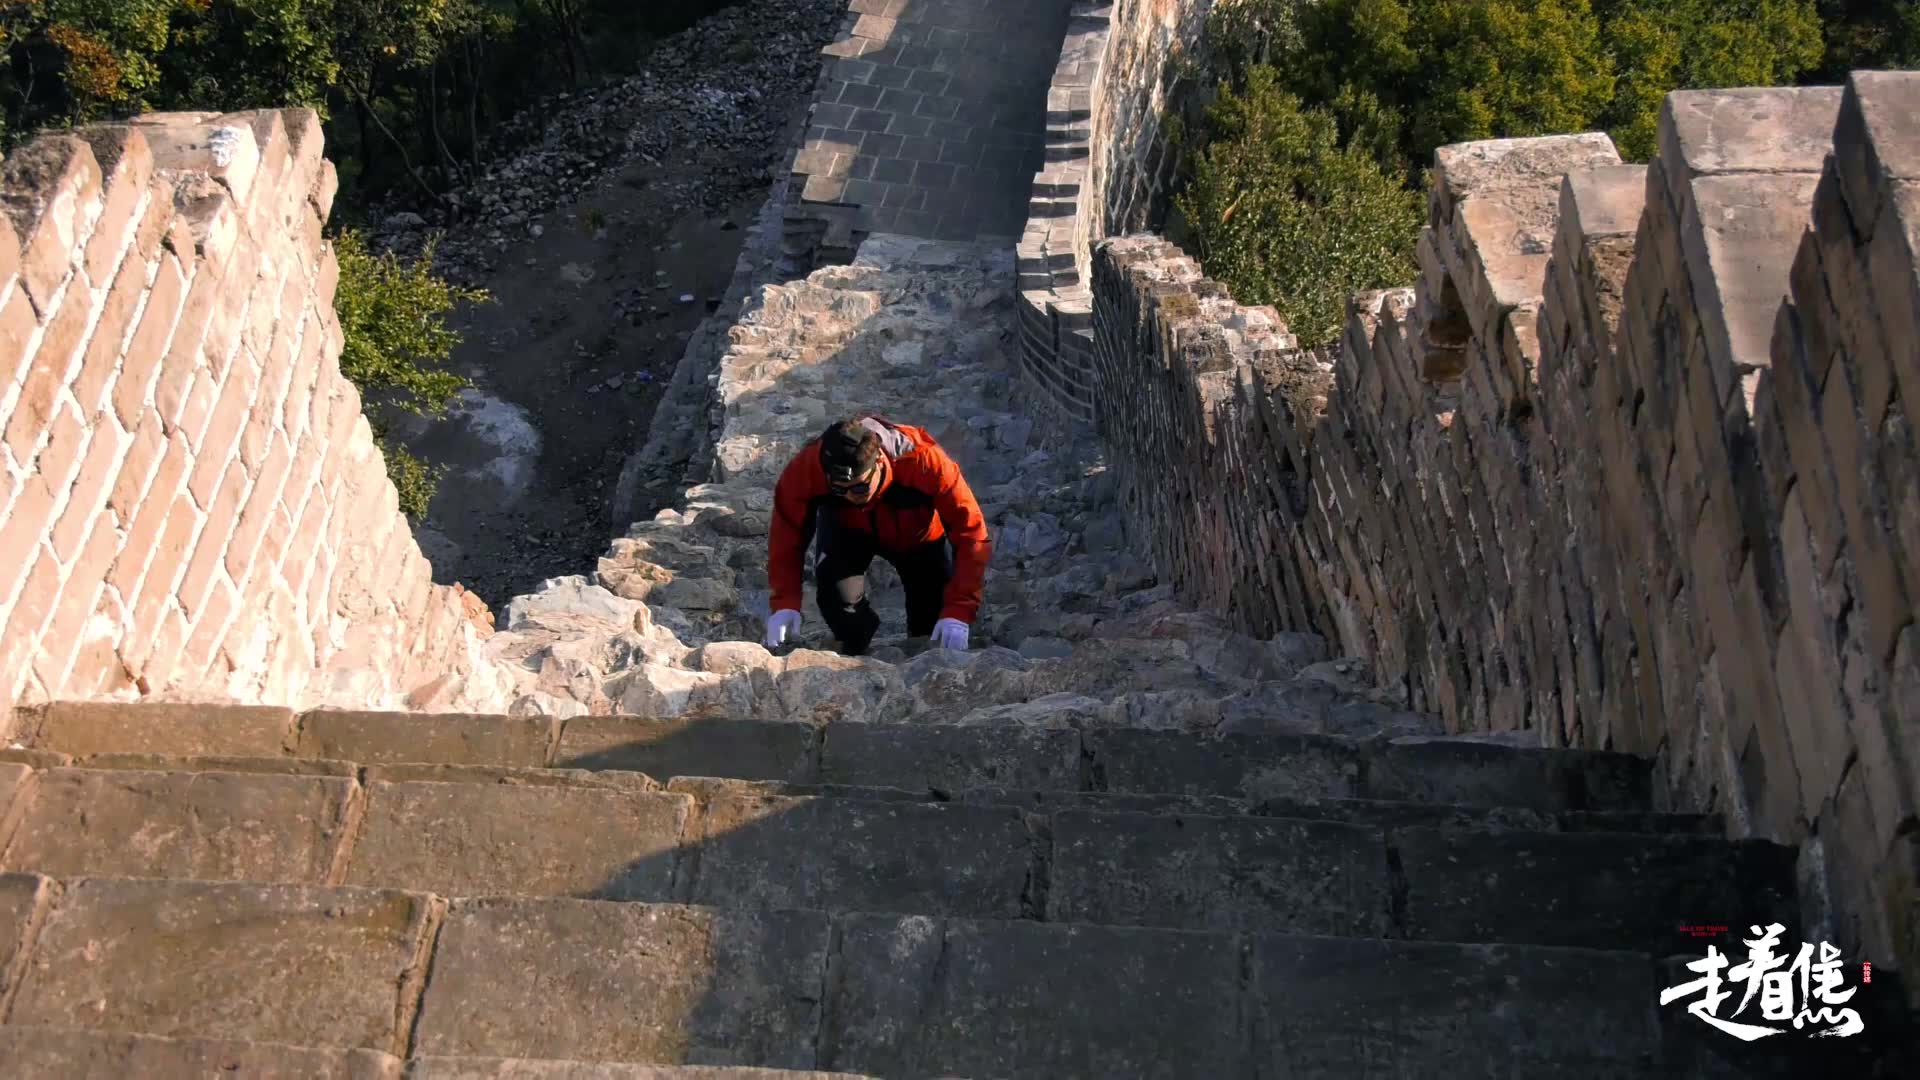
{"x": 861, "y": 488}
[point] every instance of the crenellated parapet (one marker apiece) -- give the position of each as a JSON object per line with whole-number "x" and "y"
{"x": 1632, "y": 465}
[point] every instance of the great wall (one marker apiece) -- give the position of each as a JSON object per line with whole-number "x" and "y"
{"x": 1379, "y": 710}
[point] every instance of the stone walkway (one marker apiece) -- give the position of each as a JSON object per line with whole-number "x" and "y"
{"x": 1074, "y": 630}
{"x": 935, "y": 119}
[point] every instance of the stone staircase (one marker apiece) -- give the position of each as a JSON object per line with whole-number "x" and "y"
{"x": 190, "y": 889}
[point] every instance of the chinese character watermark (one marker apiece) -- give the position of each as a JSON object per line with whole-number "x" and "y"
{"x": 1775, "y": 980}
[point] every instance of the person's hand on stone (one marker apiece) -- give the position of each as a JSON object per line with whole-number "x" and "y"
{"x": 950, "y": 634}
{"x": 782, "y": 626}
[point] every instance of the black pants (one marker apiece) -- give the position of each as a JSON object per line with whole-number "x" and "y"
{"x": 840, "y": 580}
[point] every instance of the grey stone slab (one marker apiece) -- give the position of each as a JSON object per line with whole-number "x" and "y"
{"x": 51, "y": 1052}
{"x": 749, "y": 749}
{"x": 268, "y": 963}
{"x": 924, "y": 997}
{"x": 212, "y": 826}
{"x": 947, "y": 757}
{"x": 1330, "y": 1007}
{"x": 83, "y": 728}
{"x": 496, "y": 839}
{"x": 23, "y": 902}
{"x": 1591, "y": 890}
{"x": 448, "y": 1068}
{"x": 444, "y": 738}
{"x": 1219, "y": 873}
{"x": 1482, "y": 774}
{"x": 852, "y": 855}
{"x": 643, "y": 983}
{"x": 1241, "y": 766}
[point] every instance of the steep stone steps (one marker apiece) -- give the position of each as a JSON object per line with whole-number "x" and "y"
{"x": 908, "y": 756}
{"x": 477, "y": 830}
{"x": 899, "y": 996}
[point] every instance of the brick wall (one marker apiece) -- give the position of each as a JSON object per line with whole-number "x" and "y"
{"x": 1632, "y": 465}
{"x": 194, "y": 506}
{"x": 1106, "y": 171}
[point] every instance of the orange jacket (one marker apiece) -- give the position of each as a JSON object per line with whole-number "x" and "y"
{"x": 921, "y": 498}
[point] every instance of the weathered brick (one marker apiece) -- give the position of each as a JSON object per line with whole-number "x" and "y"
{"x": 183, "y": 357}
{"x": 154, "y": 545}
{"x": 209, "y": 628}
{"x": 48, "y": 373}
{"x": 150, "y": 232}
{"x": 62, "y": 171}
{"x": 196, "y": 412}
{"x": 17, "y": 327}
{"x": 134, "y": 387}
{"x": 98, "y": 470}
{"x": 216, "y": 450}
{"x": 102, "y": 353}
{"x": 211, "y": 548}
{"x": 30, "y": 612}
{"x": 143, "y": 456}
{"x": 85, "y": 579}
{"x": 258, "y": 512}
{"x": 66, "y": 442}
{"x": 26, "y": 523}
{"x": 126, "y": 166}
{"x": 9, "y": 258}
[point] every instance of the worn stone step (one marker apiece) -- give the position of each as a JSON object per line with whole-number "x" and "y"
{"x": 557, "y": 986}
{"x": 74, "y": 1052}
{"x": 1590, "y": 890}
{"x": 1354, "y": 811}
{"x": 732, "y": 844}
{"x": 296, "y": 964}
{"x": 910, "y": 756}
{"x": 445, "y": 1068}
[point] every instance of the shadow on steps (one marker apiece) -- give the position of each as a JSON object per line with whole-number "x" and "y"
{"x": 922, "y": 933}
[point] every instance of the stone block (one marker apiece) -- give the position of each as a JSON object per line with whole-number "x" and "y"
{"x": 647, "y": 983}
{"x": 442, "y": 738}
{"x": 1875, "y": 141}
{"x": 1219, "y": 873}
{"x": 1739, "y": 235}
{"x": 1752, "y": 130}
{"x": 1588, "y": 890}
{"x": 920, "y": 996}
{"x": 1331, "y": 1007}
{"x": 837, "y": 854}
{"x": 47, "y": 1051}
{"x": 209, "y": 826}
{"x": 476, "y": 839}
{"x": 24, "y": 899}
{"x": 747, "y": 749}
{"x": 56, "y": 184}
{"x": 86, "y": 728}
{"x": 1245, "y": 766}
{"x": 230, "y": 961}
{"x": 947, "y": 757}
{"x": 1482, "y": 774}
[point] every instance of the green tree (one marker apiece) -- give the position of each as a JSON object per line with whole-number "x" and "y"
{"x": 1659, "y": 46}
{"x": 72, "y": 60}
{"x": 397, "y": 342}
{"x": 1284, "y": 214}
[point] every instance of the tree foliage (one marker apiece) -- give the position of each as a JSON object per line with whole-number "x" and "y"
{"x": 1284, "y": 214}
{"x": 397, "y": 342}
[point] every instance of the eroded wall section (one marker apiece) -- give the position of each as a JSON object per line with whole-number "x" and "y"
{"x": 194, "y": 505}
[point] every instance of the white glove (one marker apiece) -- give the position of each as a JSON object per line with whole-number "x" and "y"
{"x": 783, "y": 624}
{"x": 950, "y": 634}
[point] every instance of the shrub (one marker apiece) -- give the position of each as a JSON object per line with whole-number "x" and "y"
{"x": 396, "y": 344}
{"x": 1283, "y": 213}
